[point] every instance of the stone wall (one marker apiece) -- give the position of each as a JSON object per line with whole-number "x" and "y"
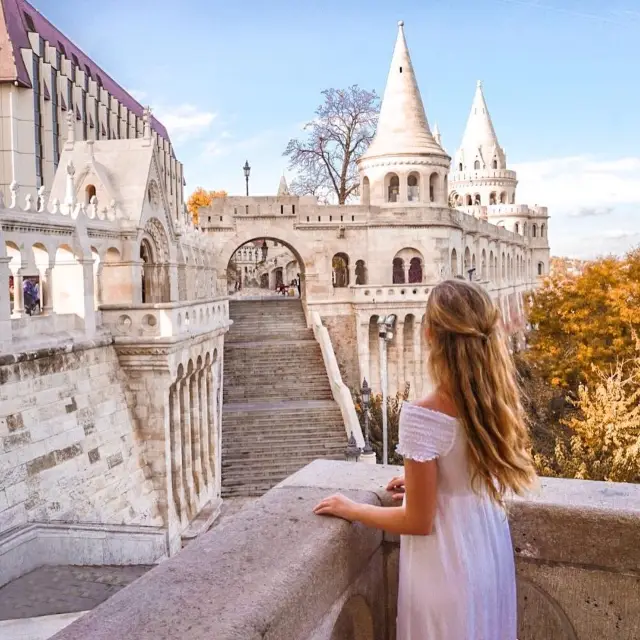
{"x": 69, "y": 452}
{"x": 276, "y": 571}
{"x": 342, "y": 330}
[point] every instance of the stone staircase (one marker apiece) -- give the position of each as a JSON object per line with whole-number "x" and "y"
{"x": 278, "y": 411}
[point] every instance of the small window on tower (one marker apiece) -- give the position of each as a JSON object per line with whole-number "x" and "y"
{"x": 400, "y": 69}
{"x": 29, "y": 20}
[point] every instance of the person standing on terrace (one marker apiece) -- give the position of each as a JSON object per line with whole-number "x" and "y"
{"x": 465, "y": 448}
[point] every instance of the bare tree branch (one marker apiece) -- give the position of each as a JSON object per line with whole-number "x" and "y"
{"x": 340, "y": 133}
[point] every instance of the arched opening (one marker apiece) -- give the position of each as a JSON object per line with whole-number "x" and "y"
{"x": 469, "y": 200}
{"x": 415, "y": 271}
{"x": 89, "y": 193}
{"x": 483, "y": 264}
{"x": 454, "y": 262}
{"x": 279, "y": 277}
{"x": 542, "y": 230}
{"x": 413, "y": 187}
{"x": 516, "y": 227}
{"x": 67, "y": 283}
{"x": 393, "y": 187}
{"x": 477, "y": 200}
{"x": 540, "y": 268}
{"x": 495, "y": 163}
{"x": 492, "y": 267}
{"x": 492, "y": 198}
{"x": 524, "y": 228}
{"x": 467, "y": 260}
{"x": 534, "y": 230}
{"x": 513, "y": 198}
{"x": 398, "y": 271}
{"x": 460, "y": 167}
{"x": 340, "y": 268}
{"x": 433, "y": 186}
{"x": 504, "y": 267}
{"x": 146, "y": 255}
{"x": 476, "y": 165}
{"x": 503, "y": 197}
{"x": 361, "y": 272}
{"x": 366, "y": 194}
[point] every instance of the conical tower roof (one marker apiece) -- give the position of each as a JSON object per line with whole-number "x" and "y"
{"x": 283, "y": 187}
{"x": 479, "y": 135}
{"x": 402, "y": 126}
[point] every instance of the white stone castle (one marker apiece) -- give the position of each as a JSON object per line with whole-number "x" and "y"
{"x": 111, "y": 372}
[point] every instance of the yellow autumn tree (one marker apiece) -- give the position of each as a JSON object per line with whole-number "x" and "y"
{"x": 585, "y": 322}
{"x": 202, "y": 198}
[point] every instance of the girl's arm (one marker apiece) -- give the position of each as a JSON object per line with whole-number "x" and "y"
{"x": 414, "y": 517}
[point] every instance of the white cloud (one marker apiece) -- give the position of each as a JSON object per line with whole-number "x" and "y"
{"x": 225, "y": 144}
{"x": 138, "y": 94}
{"x": 185, "y": 121}
{"x": 592, "y": 202}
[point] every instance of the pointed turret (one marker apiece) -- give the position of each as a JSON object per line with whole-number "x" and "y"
{"x": 480, "y": 144}
{"x": 402, "y": 125}
{"x": 283, "y": 187}
{"x": 436, "y": 135}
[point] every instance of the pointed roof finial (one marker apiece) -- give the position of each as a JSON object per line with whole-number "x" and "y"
{"x": 402, "y": 124}
{"x": 146, "y": 118}
{"x": 436, "y": 134}
{"x": 283, "y": 188}
{"x": 479, "y": 84}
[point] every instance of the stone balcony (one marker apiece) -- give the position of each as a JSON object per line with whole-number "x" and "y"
{"x": 277, "y": 572}
{"x": 165, "y": 320}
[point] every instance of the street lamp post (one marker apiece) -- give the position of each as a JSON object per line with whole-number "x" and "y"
{"x": 365, "y": 395}
{"x": 385, "y": 333}
{"x": 247, "y": 171}
{"x": 352, "y": 452}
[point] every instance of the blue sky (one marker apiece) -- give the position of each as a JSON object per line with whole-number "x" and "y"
{"x": 235, "y": 80}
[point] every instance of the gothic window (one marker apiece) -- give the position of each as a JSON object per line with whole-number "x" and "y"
{"x": 477, "y": 200}
{"x": 492, "y": 198}
{"x": 361, "y": 272}
{"x": 340, "y": 268}
{"x": 524, "y": 229}
{"x": 433, "y": 186}
{"x": 534, "y": 230}
{"x": 398, "y": 271}
{"x": 469, "y": 200}
{"x": 393, "y": 190}
{"x": 495, "y": 163}
{"x": 413, "y": 187}
{"x": 454, "y": 262}
{"x": 503, "y": 198}
{"x": 89, "y": 193}
{"x": 415, "y": 270}
{"x": 460, "y": 167}
{"x": 467, "y": 260}
{"x": 542, "y": 230}
{"x": 540, "y": 268}
{"x": 476, "y": 165}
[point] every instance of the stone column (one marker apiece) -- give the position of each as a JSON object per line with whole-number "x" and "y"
{"x": 175, "y": 431}
{"x": 185, "y": 425}
{"x": 210, "y": 396}
{"x": 404, "y": 192}
{"x": 407, "y": 266}
{"x": 88, "y": 303}
{"x": 5, "y": 302}
{"x": 402, "y": 378}
{"x": 205, "y": 429}
{"x": 419, "y": 356}
{"x": 196, "y": 461}
{"x": 18, "y": 294}
{"x": 363, "y": 352}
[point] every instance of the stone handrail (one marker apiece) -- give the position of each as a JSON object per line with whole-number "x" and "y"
{"x": 341, "y": 393}
{"x": 166, "y": 320}
{"x": 277, "y": 572}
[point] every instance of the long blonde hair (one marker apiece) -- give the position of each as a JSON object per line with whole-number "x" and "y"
{"x": 470, "y": 360}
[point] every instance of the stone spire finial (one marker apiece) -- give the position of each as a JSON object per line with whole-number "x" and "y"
{"x": 283, "y": 187}
{"x": 70, "y": 189}
{"x": 146, "y": 118}
{"x": 402, "y": 125}
{"x": 479, "y": 142}
{"x": 436, "y": 134}
{"x": 71, "y": 128}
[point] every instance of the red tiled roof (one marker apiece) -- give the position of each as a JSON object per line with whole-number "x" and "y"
{"x": 14, "y": 11}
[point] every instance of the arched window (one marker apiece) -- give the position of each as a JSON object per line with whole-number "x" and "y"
{"x": 460, "y": 167}
{"x": 516, "y": 227}
{"x": 89, "y": 193}
{"x": 534, "y": 230}
{"x": 477, "y": 200}
{"x": 415, "y": 271}
{"x": 540, "y": 268}
{"x": 361, "y": 272}
{"x": 398, "y": 271}
{"x": 365, "y": 191}
{"x": 469, "y": 200}
{"x": 476, "y": 165}
{"x": 146, "y": 255}
{"x": 483, "y": 265}
{"x": 433, "y": 187}
{"x": 413, "y": 187}
{"x": 504, "y": 267}
{"x": 340, "y": 267}
{"x": 492, "y": 267}
{"x": 542, "y": 230}
{"x": 467, "y": 260}
{"x": 495, "y": 163}
{"x": 492, "y": 198}
{"x": 393, "y": 189}
{"x": 454, "y": 262}
{"x": 503, "y": 197}
{"x": 524, "y": 228}
{"x": 513, "y": 198}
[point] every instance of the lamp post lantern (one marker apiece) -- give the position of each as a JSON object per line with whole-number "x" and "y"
{"x": 365, "y": 394}
{"x": 352, "y": 452}
{"x": 386, "y": 325}
{"x": 247, "y": 171}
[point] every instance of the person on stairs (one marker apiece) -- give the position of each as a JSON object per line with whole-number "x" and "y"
{"x": 465, "y": 448}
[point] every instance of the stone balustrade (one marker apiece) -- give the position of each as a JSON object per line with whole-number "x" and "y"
{"x": 391, "y": 293}
{"x": 166, "y": 320}
{"x": 277, "y": 572}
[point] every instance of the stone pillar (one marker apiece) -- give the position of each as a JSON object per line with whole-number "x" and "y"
{"x": 88, "y": 303}
{"x": 205, "y": 429}
{"x": 18, "y": 294}
{"x": 407, "y": 265}
{"x": 419, "y": 356}
{"x": 196, "y": 461}
{"x": 404, "y": 191}
{"x": 402, "y": 377}
{"x": 185, "y": 427}
{"x": 46, "y": 291}
{"x": 175, "y": 432}
{"x": 5, "y": 302}
{"x": 363, "y": 352}
{"x": 212, "y": 468}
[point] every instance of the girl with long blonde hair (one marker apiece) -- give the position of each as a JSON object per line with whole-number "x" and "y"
{"x": 465, "y": 448}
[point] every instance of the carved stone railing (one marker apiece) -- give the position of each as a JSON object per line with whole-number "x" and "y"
{"x": 166, "y": 320}
{"x": 391, "y": 293}
{"x": 277, "y": 572}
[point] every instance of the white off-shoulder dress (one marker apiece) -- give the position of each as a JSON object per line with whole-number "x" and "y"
{"x": 459, "y": 582}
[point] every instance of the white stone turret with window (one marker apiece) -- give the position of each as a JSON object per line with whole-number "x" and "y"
{"x": 404, "y": 165}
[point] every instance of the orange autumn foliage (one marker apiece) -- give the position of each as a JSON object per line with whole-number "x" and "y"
{"x": 202, "y": 198}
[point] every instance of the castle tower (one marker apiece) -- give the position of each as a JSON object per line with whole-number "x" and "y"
{"x": 404, "y": 165}
{"x": 479, "y": 174}
{"x": 283, "y": 187}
